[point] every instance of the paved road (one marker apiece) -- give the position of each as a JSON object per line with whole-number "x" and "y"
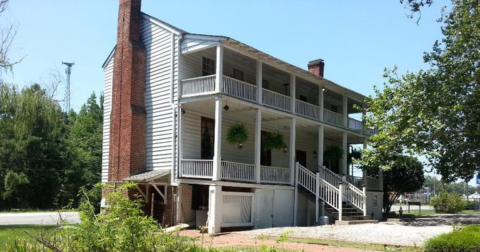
{"x": 48, "y": 218}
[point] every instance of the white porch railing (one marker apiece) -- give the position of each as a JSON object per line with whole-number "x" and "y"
{"x": 330, "y": 176}
{"x": 355, "y": 196}
{"x": 199, "y": 85}
{"x": 239, "y": 89}
{"x": 276, "y": 100}
{"x": 354, "y": 124}
{"x": 196, "y": 168}
{"x": 326, "y": 191}
{"x": 238, "y": 171}
{"x": 307, "y": 109}
{"x": 306, "y": 178}
{"x": 373, "y": 184}
{"x": 274, "y": 175}
{"x": 357, "y": 181}
{"x": 333, "y": 117}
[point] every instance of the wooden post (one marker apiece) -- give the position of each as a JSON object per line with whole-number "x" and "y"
{"x": 151, "y": 204}
{"x": 364, "y": 189}
{"x": 217, "y": 148}
{"x": 321, "y": 103}
{"x": 219, "y": 70}
{"x": 340, "y": 201}
{"x": 317, "y": 192}
{"x": 292, "y": 92}
{"x": 321, "y": 136}
{"x": 345, "y": 111}
{"x": 258, "y": 146}
{"x": 292, "y": 148}
{"x": 259, "y": 81}
{"x": 295, "y": 207}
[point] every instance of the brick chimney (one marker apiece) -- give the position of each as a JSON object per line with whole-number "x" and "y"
{"x": 316, "y": 67}
{"x": 128, "y": 117}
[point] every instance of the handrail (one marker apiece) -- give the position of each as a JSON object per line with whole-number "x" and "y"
{"x": 239, "y": 89}
{"x": 327, "y": 192}
{"x": 350, "y": 193}
{"x": 307, "y": 109}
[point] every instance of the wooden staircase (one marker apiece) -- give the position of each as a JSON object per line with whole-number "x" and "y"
{"x": 340, "y": 196}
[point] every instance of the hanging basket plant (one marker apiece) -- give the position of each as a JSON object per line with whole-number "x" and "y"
{"x": 274, "y": 141}
{"x": 333, "y": 153}
{"x": 237, "y": 134}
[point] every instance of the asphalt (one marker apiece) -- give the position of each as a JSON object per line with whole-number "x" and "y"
{"x": 40, "y": 218}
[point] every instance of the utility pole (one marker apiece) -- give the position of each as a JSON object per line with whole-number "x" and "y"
{"x": 68, "y": 71}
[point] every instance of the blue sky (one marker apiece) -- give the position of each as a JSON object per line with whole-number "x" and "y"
{"x": 357, "y": 39}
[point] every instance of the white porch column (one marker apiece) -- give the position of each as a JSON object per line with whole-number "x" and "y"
{"x": 345, "y": 152}
{"x": 258, "y": 140}
{"x": 292, "y": 148}
{"x": 380, "y": 180}
{"x": 217, "y": 148}
{"x": 215, "y": 209}
{"x": 321, "y": 101}
{"x": 180, "y": 141}
{"x": 321, "y": 136}
{"x": 364, "y": 171}
{"x": 259, "y": 81}
{"x": 345, "y": 111}
{"x": 219, "y": 70}
{"x": 293, "y": 87}
{"x": 179, "y": 217}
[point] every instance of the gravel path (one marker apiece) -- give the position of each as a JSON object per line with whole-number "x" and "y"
{"x": 382, "y": 233}
{"x": 412, "y": 233}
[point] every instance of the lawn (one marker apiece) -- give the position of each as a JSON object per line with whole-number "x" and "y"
{"x": 9, "y": 233}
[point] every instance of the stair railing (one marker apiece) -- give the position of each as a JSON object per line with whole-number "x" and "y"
{"x": 350, "y": 192}
{"x": 319, "y": 187}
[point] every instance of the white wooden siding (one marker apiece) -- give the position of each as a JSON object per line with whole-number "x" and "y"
{"x": 192, "y": 45}
{"x": 107, "y": 108}
{"x": 160, "y": 119}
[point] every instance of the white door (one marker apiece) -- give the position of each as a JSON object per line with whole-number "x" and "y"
{"x": 283, "y": 202}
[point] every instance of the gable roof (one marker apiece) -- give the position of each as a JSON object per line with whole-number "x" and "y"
{"x": 225, "y": 39}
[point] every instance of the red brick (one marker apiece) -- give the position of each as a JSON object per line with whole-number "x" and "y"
{"x": 128, "y": 118}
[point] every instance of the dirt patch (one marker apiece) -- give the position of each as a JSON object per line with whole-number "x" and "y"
{"x": 238, "y": 240}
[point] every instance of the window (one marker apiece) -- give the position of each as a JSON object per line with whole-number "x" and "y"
{"x": 334, "y": 108}
{"x": 303, "y": 98}
{"x": 264, "y": 83}
{"x": 207, "y": 137}
{"x": 208, "y": 66}
{"x": 237, "y": 74}
{"x": 265, "y": 155}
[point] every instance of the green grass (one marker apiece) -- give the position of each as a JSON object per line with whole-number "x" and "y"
{"x": 9, "y": 233}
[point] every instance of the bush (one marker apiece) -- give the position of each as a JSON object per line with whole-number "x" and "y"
{"x": 463, "y": 240}
{"x": 123, "y": 227}
{"x": 448, "y": 203}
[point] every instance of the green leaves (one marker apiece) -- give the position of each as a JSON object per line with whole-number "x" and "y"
{"x": 434, "y": 112}
{"x": 237, "y": 134}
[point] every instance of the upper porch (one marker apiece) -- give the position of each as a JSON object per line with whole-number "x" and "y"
{"x": 224, "y": 70}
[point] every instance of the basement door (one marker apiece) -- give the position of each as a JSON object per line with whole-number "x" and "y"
{"x": 276, "y": 208}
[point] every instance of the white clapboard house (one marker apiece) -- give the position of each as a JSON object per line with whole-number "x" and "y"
{"x": 195, "y": 88}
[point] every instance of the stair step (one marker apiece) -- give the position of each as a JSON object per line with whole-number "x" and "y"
{"x": 355, "y": 222}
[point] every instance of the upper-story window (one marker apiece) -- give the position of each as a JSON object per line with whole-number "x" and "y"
{"x": 208, "y": 66}
{"x": 237, "y": 74}
{"x": 265, "y": 83}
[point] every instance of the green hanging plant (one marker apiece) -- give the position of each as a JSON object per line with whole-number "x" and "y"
{"x": 237, "y": 134}
{"x": 333, "y": 153}
{"x": 274, "y": 141}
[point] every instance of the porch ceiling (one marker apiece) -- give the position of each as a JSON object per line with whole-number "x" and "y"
{"x": 242, "y": 112}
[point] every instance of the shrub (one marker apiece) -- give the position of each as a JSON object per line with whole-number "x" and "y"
{"x": 448, "y": 203}
{"x": 463, "y": 240}
{"x": 123, "y": 227}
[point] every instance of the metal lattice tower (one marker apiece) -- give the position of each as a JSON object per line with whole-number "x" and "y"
{"x": 68, "y": 71}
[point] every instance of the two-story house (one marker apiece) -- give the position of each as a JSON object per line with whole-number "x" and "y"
{"x": 170, "y": 99}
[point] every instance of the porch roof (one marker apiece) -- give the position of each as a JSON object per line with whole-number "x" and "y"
{"x": 148, "y": 176}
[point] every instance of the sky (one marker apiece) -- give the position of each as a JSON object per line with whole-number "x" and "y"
{"x": 357, "y": 39}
